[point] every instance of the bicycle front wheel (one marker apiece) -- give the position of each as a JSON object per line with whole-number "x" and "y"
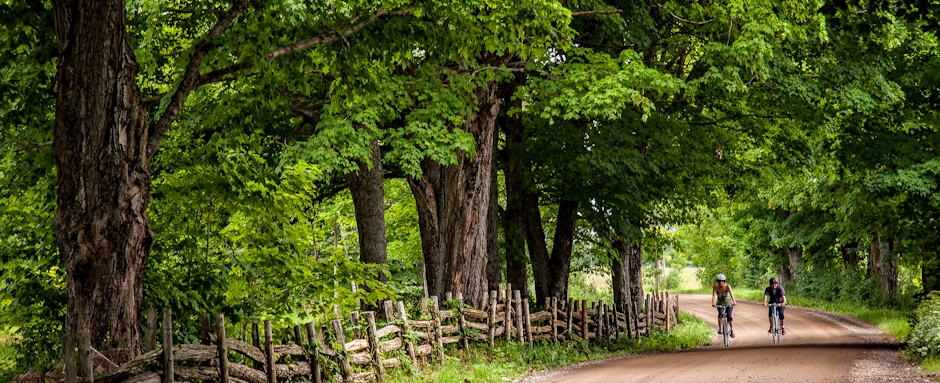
{"x": 776, "y": 329}
{"x": 724, "y": 330}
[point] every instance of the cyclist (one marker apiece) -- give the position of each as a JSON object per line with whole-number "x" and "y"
{"x": 775, "y": 294}
{"x": 722, "y": 295}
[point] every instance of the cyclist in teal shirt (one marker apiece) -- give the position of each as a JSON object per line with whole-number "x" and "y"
{"x": 775, "y": 294}
{"x": 722, "y": 295}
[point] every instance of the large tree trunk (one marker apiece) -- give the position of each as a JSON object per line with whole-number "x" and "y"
{"x": 795, "y": 255}
{"x": 635, "y": 277}
{"x": 536, "y": 243}
{"x": 100, "y": 142}
{"x": 428, "y": 199}
{"x": 621, "y": 272}
{"x": 453, "y": 205}
{"x": 889, "y": 266}
{"x": 550, "y": 270}
{"x": 367, "y": 188}
{"x": 559, "y": 264}
{"x": 514, "y": 224}
{"x": 874, "y": 263}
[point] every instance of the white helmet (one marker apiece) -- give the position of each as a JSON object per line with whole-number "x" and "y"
{"x": 720, "y": 278}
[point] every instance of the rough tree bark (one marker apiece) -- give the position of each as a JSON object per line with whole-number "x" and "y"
{"x": 795, "y": 255}
{"x": 562, "y": 245}
{"x": 635, "y": 277}
{"x": 621, "y": 272}
{"x": 888, "y": 266}
{"x": 100, "y": 142}
{"x": 367, "y": 188}
{"x": 453, "y": 203}
{"x": 514, "y": 223}
{"x": 550, "y": 270}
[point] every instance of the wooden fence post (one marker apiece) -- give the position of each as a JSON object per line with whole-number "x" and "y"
{"x": 354, "y": 323}
{"x": 584, "y": 319}
{"x": 256, "y": 341}
{"x": 508, "y": 306}
{"x": 313, "y": 353}
{"x": 341, "y": 352}
{"x": 517, "y": 298}
{"x": 462, "y": 322}
{"x": 493, "y": 324}
{"x": 668, "y": 311}
{"x": 168, "y": 346}
{"x": 223, "y": 348}
{"x": 568, "y": 330}
{"x": 205, "y": 328}
{"x": 528, "y": 320}
{"x": 389, "y": 312}
{"x": 269, "y": 352}
{"x": 374, "y": 345}
{"x": 150, "y": 337}
{"x": 553, "y": 306}
{"x": 71, "y": 373}
{"x": 438, "y": 335}
{"x": 636, "y": 317}
{"x": 405, "y": 330}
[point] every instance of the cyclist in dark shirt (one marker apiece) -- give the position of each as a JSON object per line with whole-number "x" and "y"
{"x": 775, "y": 294}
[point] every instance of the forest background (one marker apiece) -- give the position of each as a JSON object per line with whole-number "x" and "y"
{"x": 271, "y": 159}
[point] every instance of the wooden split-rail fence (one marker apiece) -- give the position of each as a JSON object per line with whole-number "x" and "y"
{"x": 362, "y": 351}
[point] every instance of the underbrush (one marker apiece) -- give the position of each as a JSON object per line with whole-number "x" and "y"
{"x": 7, "y": 358}
{"x": 509, "y": 361}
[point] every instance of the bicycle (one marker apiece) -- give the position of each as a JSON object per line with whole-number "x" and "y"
{"x": 723, "y": 322}
{"x": 776, "y": 330}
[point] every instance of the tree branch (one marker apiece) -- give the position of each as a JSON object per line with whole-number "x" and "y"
{"x": 588, "y": 13}
{"x": 191, "y": 78}
{"x": 690, "y": 21}
{"x": 335, "y": 33}
{"x": 34, "y": 145}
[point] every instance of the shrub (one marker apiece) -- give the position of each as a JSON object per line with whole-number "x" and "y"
{"x": 924, "y": 341}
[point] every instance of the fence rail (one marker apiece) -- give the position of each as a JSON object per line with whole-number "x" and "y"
{"x": 324, "y": 354}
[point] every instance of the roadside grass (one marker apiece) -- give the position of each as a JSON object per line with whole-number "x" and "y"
{"x": 510, "y": 361}
{"x": 930, "y": 365}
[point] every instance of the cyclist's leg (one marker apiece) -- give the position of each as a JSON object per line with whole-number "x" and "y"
{"x": 719, "y": 319}
{"x": 783, "y": 330}
{"x": 770, "y": 319}
{"x": 730, "y": 321}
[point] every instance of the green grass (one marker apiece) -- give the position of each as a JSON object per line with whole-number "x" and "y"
{"x": 509, "y": 361}
{"x": 930, "y": 365}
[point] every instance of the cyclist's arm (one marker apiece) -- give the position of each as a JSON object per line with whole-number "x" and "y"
{"x": 714, "y": 293}
{"x": 765, "y": 299}
{"x": 783, "y": 299}
{"x": 733, "y": 302}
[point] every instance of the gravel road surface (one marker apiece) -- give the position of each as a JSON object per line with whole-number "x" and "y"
{"x": 818, "y": 347}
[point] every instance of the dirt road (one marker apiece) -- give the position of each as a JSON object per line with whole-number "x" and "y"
{"x": 818, "y": 347}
